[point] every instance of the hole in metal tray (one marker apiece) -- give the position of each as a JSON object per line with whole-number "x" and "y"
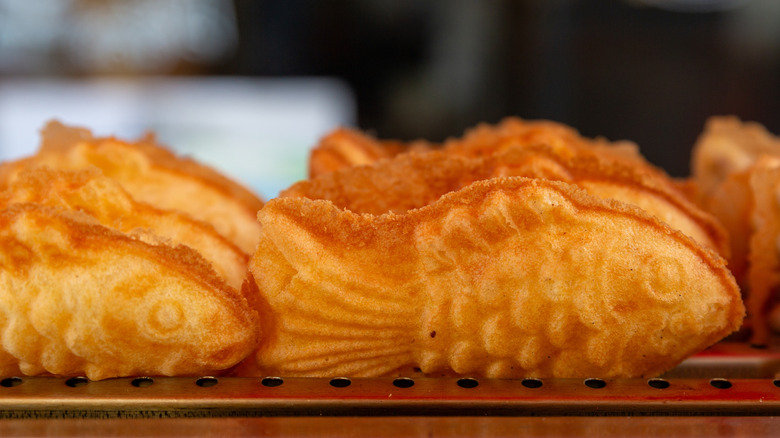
{"x": 76, "y": 382}
{"x": 340, "y": 382}
{"x": 658, "y": 383}
{"x": 272, "y": 382}
{"x": 720, "y": 383}
{"x": 10, "y": 382}
{"x": 403, "y": 382}
{"x": 595, "y": 383}
{"x": 142, "y": 382}
{"x": 206, "y": 382}
{"x": 532, "y": 383}
{"x": 468, "y": 383}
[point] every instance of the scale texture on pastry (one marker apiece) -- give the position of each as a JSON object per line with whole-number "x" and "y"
{"x": 542, "y": 149}
{"x": 154, "y": 175}
{"x": 511, "y": 133}
{"x": 395, "y": 184}
{"x": 78, "y": 298}
{"x": 504, "y": 277}
{"x": 348, "y": 147}
{"x": 104, "y": 199}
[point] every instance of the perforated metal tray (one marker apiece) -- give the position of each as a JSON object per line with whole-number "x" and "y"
{"x": 729, "y": 379}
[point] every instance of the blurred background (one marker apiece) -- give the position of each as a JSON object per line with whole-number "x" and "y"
{"x": 249, "y": 86}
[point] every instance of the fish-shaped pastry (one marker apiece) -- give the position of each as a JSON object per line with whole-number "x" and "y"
{"x": 764, "y": 256}
{"x": 79, "y": 298}
{"x": 151, "y": 174}
{"x": 395, "y": 184}
{"x": 503, "y": 277}
{"x": 347, "y": 147}
{"x": 539, "y": 149}
{"x": 91, "y": 192}
{"x": 726, "y": 146}
{"x": 735, "y": 168}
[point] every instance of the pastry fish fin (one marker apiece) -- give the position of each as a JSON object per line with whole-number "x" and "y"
{"x": 335, "y": 312}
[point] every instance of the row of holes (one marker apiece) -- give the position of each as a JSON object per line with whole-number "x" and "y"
{"x": 343, "y": 382}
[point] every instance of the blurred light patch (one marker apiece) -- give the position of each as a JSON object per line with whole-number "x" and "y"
{"x": 258, "y": 131}
{"x": 128, "y": 36}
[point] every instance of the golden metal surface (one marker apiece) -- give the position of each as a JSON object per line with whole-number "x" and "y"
{"x": 728, "y": 380}
{"x": 182, "y": 397}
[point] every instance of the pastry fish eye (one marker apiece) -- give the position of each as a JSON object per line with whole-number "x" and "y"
{"x": 164, "y": 317}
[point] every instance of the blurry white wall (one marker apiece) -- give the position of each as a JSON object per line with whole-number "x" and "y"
{"x": 123, "y": 68}
{"x": 258, "y": 131}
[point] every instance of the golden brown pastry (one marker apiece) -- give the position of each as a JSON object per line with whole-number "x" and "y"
{"x": 727, "y": 146}
{"x": 734, "y": 168}
{"x": 154, "y": 175}
{"x": 513, "y": 133}
{"x": 503, "y": 277}
{"x": 78, "y": 298}
{"x": 764, "y": 255}
{"x": 393, "y": 185}
{"x": 731, "y": 201}
{"x": 348, "y": 147}
{"x": 723, "y": 158}
{"x": 91, "y": 192}
{"x": 550, "y": 150}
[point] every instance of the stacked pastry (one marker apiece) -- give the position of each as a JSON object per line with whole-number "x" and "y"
{"x": 121, "y": 259}
{"x": 736, "y": 176}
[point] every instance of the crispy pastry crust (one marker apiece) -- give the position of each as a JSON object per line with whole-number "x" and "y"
{"x": 79, "y": 298}
{"x": 735, "y": 172}
{"x": 414, "y": 179}
{"x": 151, "y": 174}
{"x": 537, "y": 149}
{"x": 91, "y": 192}
{"x": 504, "y": 277}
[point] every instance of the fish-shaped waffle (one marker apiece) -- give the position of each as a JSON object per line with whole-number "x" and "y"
{"x": 345, "y": 147}
{"x": 151, "y": 174}
{"x": 349, "y": 147}
{"x": 734, "y": 167}
{"x": 78, "y": 298}
{"x": 511, "y": 133}
{"x": 727, "y": 146}
{"x": 394, "y": 184}
{"x": 504, "y": 277}
{"x": 731, "y": 202}
{"x": 721, "y": 162}
{"x": 549, "y": 150}
{"x": 91, "y": 192}
{"x": 764, "y": 256}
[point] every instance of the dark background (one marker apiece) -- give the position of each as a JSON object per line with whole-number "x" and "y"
{"x": 622, "y": 69}
{"x": 609, "y": 68}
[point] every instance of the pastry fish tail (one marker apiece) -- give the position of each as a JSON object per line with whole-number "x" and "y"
{"x": 327, "y": 311}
